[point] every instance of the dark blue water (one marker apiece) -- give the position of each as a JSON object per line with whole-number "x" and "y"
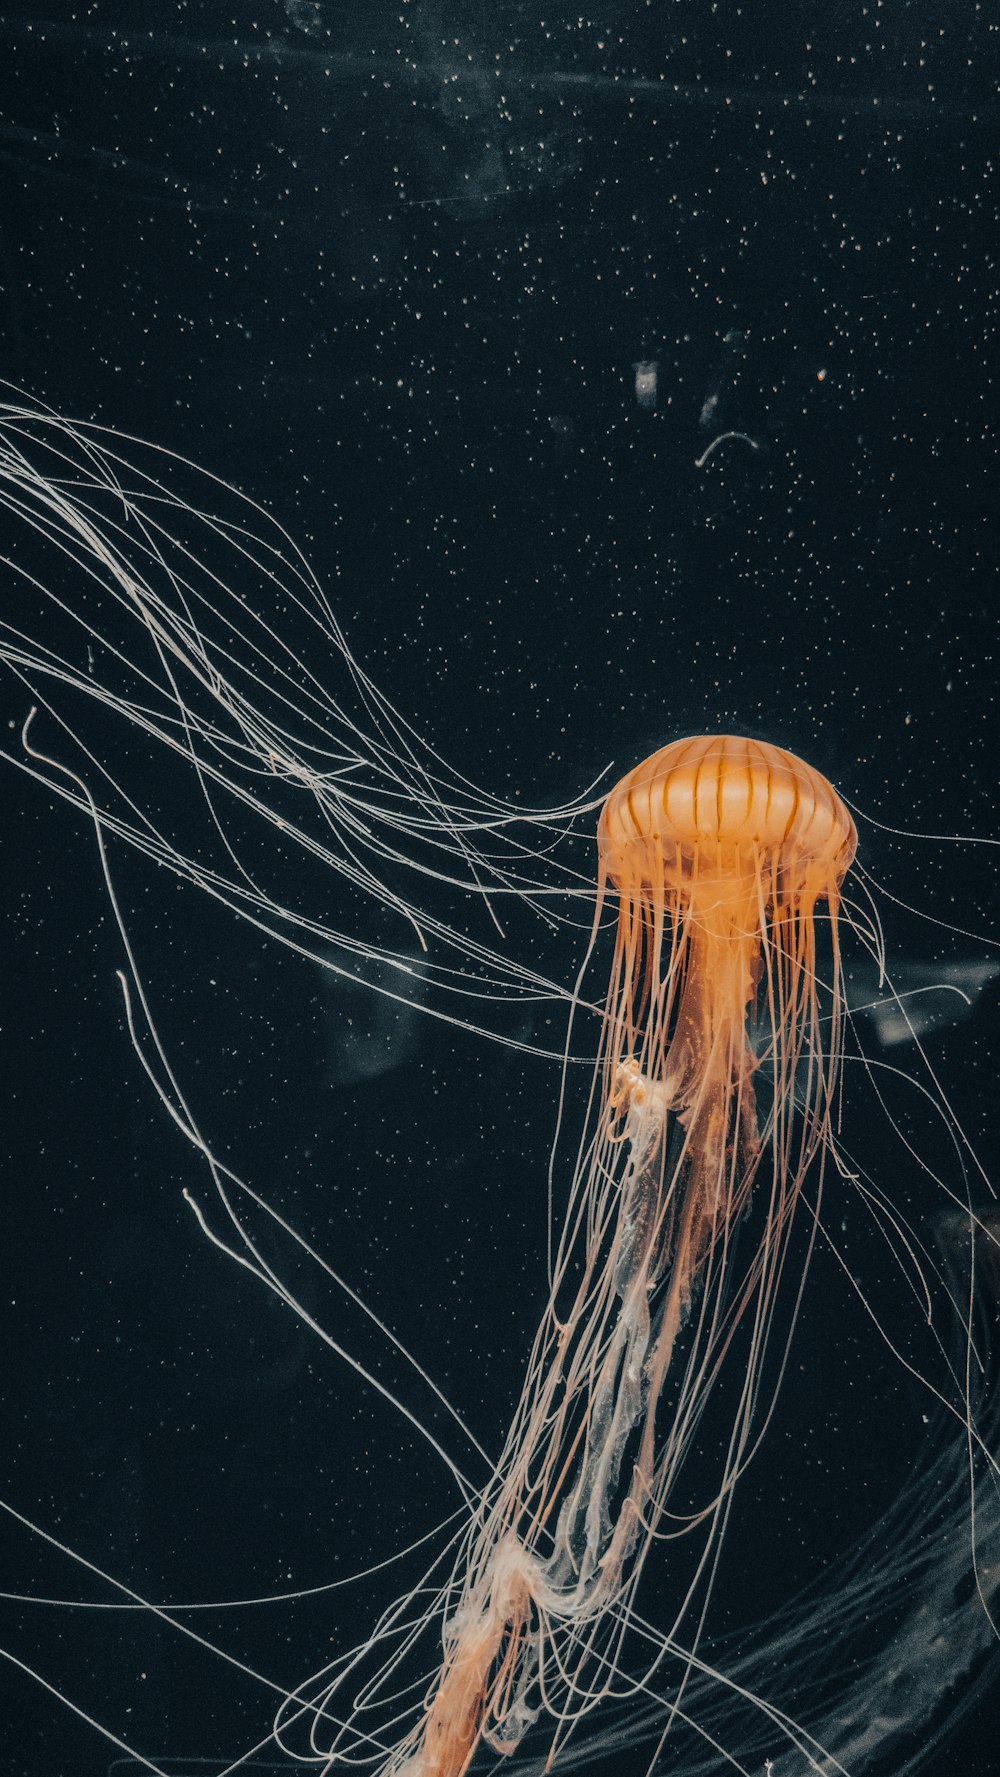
{"x": 623, "y": 376}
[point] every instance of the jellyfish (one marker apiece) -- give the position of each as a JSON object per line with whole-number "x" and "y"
{"x": 726, "y": 855}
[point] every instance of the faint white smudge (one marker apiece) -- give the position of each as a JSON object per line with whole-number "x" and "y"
{"x": 923, "y": 997}
{"x": 368, "y": 1033}
{"x": 645, "y": 382}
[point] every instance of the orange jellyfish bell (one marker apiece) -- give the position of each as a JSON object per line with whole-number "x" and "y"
{"x": 717, "y": 807}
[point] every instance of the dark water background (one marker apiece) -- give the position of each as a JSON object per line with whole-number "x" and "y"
{"x": 392, "y": 270}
